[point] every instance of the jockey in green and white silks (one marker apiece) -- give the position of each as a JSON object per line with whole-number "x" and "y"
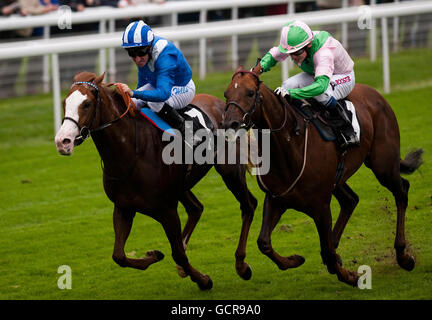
{"x": 328, "y": 73}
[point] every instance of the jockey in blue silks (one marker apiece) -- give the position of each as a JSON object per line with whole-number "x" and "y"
{"x": 164, "y": 76}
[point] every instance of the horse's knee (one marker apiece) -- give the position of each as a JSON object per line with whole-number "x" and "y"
{"x": 264, "y": 246}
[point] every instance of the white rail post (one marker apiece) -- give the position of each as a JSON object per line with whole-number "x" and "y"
{"x": 372, "y": 34}
{"x": 385, "y": 54}
{"x": 46, "y": 63}
{"x": 287, "y": 64}
{"x": 174, "y": 23}
{"x": 345, "y": 26}
{"x": 56, "y": 91}
{"x": 111, "y": 53}
{"x": 396, "y": 31}
{"x": 102, "y": 52}
{"x": 202, "y": 48}
{"x": 234, "y": 41}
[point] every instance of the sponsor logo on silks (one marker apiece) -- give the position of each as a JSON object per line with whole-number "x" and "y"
{"x": 180, "y": 90}
{"x": 343, "y": 80}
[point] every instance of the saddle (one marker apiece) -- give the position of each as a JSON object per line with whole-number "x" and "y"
{"x": 189, "y": 113}
{"x": 319, "y": 117}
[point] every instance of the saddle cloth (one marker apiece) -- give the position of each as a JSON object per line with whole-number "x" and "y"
{"x": 188, "y": 113}
{"x": 315, "y": 113}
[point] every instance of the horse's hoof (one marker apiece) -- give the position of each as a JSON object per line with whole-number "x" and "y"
{"x": 206, "y": 286}
{"x": 293, "y": 261}
{"x": 247, "y": 274}
{"x": 156, "y": 253}
{"x": 407, "y": 264}
{"x": 181, "y": 272}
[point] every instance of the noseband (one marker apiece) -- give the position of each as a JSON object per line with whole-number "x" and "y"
{"x": 247, "y": 116}
{"x": 85, "y": 131}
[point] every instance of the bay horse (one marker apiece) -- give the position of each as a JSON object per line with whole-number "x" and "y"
{"x": 135, "y": 177}
{"x": 303, "y": 166}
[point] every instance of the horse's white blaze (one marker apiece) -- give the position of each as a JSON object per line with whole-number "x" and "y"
{"x": 69, "y": 129}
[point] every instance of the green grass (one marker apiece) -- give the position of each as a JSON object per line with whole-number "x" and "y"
{"x": 53, "y": 212}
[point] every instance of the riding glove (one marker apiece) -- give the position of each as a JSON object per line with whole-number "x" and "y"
{"x": 282, "y": 92}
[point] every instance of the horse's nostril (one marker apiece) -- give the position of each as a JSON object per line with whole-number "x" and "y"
{"x": 235, "y": 125}
{"x": 66, "y": 141}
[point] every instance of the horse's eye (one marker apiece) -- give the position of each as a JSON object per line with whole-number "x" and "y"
{"x": 251, "y": 93}
{"x": 86, "y": 105}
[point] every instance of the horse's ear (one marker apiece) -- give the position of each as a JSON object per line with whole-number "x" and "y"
{"x": 240, "y": 68}
{"x": 84, "y": 76}
{"x": 99, "y": 79}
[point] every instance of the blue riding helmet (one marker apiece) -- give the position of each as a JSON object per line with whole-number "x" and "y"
{"x": 137, "y": 34}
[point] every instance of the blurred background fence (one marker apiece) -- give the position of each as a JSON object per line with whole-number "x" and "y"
{"x": 31, "y": 75}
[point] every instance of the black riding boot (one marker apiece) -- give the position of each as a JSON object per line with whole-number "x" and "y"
{"x": 340, "y": 120}
{"x": 174, "y": 119}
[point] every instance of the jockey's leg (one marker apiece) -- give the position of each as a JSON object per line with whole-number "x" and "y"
{"x": 339, "y": 88}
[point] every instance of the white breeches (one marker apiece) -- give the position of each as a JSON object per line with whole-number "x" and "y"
{"x": 340, "y": 85}
{"x": 180, "y": 97}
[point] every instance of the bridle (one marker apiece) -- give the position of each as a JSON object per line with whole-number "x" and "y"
{"x": 85, "y": 131}
{"x": 247, "y": 122}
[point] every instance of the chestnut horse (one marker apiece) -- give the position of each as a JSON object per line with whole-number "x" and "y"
{"x": 135, "y": 177}
{"x": 303, "y": 166}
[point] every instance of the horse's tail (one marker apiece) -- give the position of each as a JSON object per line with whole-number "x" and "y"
{"x": 413, "y": 160}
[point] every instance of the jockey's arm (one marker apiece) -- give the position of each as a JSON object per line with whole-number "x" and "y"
{"x": 267, "y": 62}
{"x": 319, "y": 86}
{"x": 164, "y": 82}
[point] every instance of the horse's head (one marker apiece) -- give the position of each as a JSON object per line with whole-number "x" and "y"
{"x": 243, "y": 99}
{"x": 80, "y": 108}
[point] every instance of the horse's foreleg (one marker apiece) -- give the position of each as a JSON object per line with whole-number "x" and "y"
{"x": 171, "y": 223}
{"x": 123, "y": 220}
{"x": 323, "y": 222}
{"x": 271, "y": 216}
{"x": 348, "y": 201}
{"x": 235, "y": 179}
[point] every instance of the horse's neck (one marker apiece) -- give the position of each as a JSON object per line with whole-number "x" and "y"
{"x": 286, "y": 147}
{"x": 115, "y": 143}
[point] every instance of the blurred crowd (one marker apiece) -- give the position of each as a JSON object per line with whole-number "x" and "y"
{"x": 414, "y": 32}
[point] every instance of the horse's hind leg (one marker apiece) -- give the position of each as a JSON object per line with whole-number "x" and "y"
{"x": 399, "y": 186}
{"x": 171, "y": 223}
{"x": 272, "y": 212}
{"x": 385, "y": 163}
{"x": 235, "y": 179}
{"x": 123, "y": 220}
{"x": 348, "y": 200}
{"x": 193, "y": 208}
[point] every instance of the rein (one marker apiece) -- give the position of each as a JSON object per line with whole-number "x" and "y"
{"x": 85, "y": 131}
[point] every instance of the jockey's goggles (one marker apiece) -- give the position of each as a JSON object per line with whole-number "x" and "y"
{"x": 140, "y": 51}
{"x": 298, "y": 52}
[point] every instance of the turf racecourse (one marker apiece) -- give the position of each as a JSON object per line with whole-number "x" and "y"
{"x": 53, "y": 212}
